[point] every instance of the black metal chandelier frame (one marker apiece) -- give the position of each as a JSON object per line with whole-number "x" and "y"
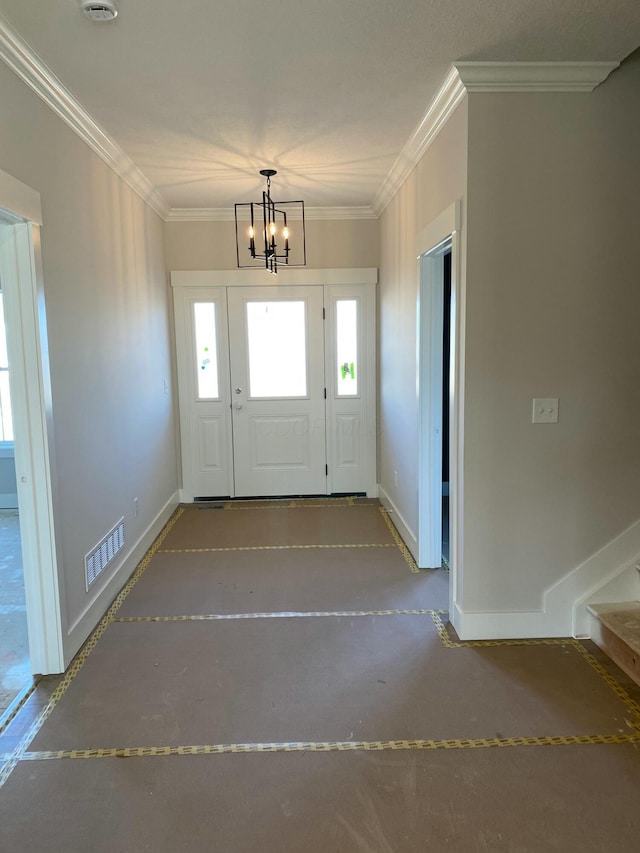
{"x": 268, "y": 217}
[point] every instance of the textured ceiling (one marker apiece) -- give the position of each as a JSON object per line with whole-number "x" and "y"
{"x": 201, "y": 94}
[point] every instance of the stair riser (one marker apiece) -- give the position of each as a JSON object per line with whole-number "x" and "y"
{"x": 620, "y": 653}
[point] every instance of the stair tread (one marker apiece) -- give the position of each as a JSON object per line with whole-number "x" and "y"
{"x": 622, "y": 618}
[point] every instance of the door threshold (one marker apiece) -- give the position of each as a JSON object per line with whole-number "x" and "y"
{"x": 219, "y": 499}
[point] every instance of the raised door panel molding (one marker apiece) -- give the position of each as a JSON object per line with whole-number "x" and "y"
{"x": 211, "y": 442}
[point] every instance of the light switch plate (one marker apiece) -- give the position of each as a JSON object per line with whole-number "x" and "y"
{"x": 545, "y": 410}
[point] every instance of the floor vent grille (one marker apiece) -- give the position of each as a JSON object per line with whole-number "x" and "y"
{"x": 97, "y": 560}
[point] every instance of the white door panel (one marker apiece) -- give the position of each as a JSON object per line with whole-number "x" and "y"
{"x": 277, "y": 377}
{"x": 203, "y": 385}
{"x": 350, "y": 370}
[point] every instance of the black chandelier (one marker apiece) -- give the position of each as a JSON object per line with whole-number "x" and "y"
{"x": 274, "y": 230}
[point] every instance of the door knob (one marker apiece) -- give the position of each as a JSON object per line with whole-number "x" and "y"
{"x": 238, "y": 406}
{"x": 238, "y": 390}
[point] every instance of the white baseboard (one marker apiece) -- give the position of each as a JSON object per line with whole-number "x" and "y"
{"x": 604, "y": 576}
{"x": 408, "y": 536}
{"x": 507, "y": 625}
{"x": 593, "y": 578}
{"x": 82, "y": 626}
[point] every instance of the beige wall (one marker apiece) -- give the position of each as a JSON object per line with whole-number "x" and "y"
{"x": 330, "y": 244}
{"x": 553, "y": 302}
{"x": 107, "y": 318}
{"x": 435, "y": 184}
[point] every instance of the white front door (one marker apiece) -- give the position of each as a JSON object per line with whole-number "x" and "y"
{"x": 276, "y": 349}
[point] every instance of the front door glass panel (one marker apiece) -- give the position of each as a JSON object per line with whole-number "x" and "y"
{"x": 277, "y": 349}
{"x": 204, "y": 315}
{"x": 347, "y": 347}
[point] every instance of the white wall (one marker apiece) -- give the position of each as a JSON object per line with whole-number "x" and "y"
{"x": 330, "y": 244}
{"x": 434, "y": 185}
{"x": 553, "y": 302}
{"x": 549, "y": 186}
{"x": 108, "y": 326}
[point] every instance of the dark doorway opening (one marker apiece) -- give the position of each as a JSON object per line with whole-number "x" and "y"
{"x": 446, "y": 367}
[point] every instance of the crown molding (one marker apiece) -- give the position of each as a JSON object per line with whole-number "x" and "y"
{"x": 533, "y": 76}
{"x": 471, "y": 77}
{"x": 463, "y": 78}
{"x": 319, "y": 213}
{"x": 28, "y": 66}
{"x": 226, "y": 214}
{"x": 447, "y": 98}
{"x": 200, "y": 214}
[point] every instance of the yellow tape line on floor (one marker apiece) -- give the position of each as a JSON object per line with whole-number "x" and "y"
{"x": 21, "y": 754}
{"x": 331, "y": 746}
{"x": 206, "y": 617}
{"x": 80, "y": 659}
{"x": 406, "y": 553}
{"x": 272, "y": 548}
{"x": 632, "y": 706}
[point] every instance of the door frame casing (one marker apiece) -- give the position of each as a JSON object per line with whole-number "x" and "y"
{"x": 21, "y": 270}
{"x": 185, "y": 282}
{"x": 442, "y": 234}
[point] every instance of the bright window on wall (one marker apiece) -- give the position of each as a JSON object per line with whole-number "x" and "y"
{"x": 347, "y": 347}
{"x": 6, "y": 423}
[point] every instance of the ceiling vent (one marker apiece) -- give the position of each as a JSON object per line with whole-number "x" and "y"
{"x": 104, "y": 11}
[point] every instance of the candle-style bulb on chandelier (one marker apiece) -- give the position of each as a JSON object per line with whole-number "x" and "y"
{"x": 270, "y": 233}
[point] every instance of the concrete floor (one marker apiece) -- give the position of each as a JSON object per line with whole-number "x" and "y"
{"x": 15, "y": 669}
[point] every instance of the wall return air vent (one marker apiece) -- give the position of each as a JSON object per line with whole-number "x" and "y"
{"x": 97, "y": 560}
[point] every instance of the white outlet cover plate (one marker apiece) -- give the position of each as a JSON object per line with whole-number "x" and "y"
{"x": 545, "y": 410}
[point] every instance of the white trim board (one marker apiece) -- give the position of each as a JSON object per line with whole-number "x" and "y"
{"x": 226, "y": 214}
{"x": 20, "y": 262}
{"x": 250, "y": 278}
{"x": 408, "y": 536}
{"x": 563, "y": 610}
{"x": 20, "y": 199}
{"x": 446, "y": 100}
{"x": 533, "y": 76}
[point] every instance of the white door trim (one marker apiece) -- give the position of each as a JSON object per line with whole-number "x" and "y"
{"x": 21, "y": 270}
{"x": 445, "y": 229}
{"x": 255, "y": 278}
